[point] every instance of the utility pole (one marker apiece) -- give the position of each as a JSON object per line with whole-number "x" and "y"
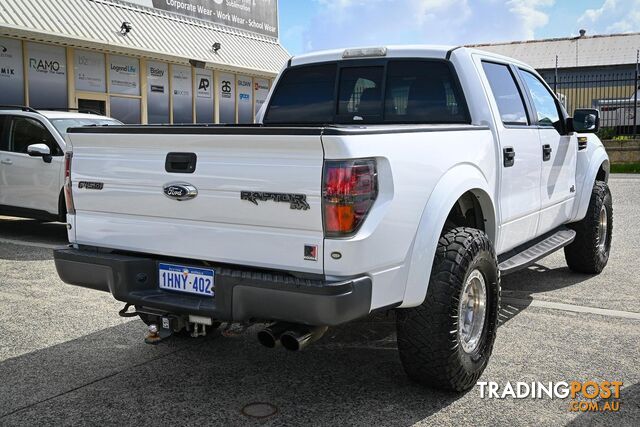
{"x": 635, "y": 97}
{"x": 555, "y": 78}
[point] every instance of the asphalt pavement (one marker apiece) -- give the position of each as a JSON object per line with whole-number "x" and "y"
{"x": 66, "y": 358}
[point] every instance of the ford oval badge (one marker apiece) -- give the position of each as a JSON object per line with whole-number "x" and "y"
{"x": 180, "y": 191}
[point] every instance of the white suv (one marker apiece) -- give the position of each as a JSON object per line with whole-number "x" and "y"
{"x": 31, "y": 159}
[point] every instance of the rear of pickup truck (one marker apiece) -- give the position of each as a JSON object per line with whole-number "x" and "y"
{"x": 220, "y": 222}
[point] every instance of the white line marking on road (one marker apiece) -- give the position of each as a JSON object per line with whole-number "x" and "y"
{"x": 31, "y": 244}
{"x": 571, "y": 307}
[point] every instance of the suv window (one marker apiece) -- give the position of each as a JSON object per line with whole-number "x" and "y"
{"x": 25, "y": 131}
{"x": 506, "y": 93}
{"x": 4, "y": 139}
{"x": 545, "y": 104}
{"x": 412, "y": 91}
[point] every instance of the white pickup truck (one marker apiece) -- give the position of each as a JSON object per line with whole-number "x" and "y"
{"x": 404, "y": 178}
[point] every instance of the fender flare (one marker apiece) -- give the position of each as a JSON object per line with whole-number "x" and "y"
{"x": 454, "y": 183}
{"x": 598, "y": 158}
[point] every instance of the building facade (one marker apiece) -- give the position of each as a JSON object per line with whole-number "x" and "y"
{"x": 141, "y": 61}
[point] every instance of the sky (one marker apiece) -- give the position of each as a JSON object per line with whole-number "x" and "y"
{"x": 308, "y": 25}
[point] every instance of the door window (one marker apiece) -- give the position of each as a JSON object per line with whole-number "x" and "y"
{"x": 26, "y": 131}
{"x": 545, "y": 104}
{"x": 506, "y": 93}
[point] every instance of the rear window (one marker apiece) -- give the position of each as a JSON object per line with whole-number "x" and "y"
{"x": 401, "y": 91}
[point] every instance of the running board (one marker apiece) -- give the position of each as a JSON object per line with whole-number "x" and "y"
{"x": 527, "y": 254}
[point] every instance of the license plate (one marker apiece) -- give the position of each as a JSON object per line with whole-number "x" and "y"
{"x": 199, "y": 281}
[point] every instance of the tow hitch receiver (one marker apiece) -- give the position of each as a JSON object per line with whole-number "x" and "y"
{"x": 155, "y": 335}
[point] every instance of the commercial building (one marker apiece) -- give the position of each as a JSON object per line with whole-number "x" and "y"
{"x": 141, "y": 61}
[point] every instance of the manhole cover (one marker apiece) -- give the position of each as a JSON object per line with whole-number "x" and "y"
{"x": 259, "y": 410}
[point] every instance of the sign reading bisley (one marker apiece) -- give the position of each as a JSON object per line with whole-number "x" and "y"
{"x": 259, "y": 16}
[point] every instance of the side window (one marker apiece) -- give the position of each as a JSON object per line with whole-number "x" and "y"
{"x": 506, "y": 93}
{"x": 360, "y": 95}
{"x": 545, "y": 104}
{"x": 4, "y": 138}
{"x": 25, "y": 131}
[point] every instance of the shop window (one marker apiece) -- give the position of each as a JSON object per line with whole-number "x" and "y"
{"x": 11, "y": 72}
{"x": 89, "y": 71}
{"x": 157, "y": 92}
{"x": 245, "y": 100}
{"x": 204, "y": 96}
{"x": 181, "y": 86}
{"x": 227, "y": 98}
{"x": 47, "y": 76}
{"x": 127, "y": 110}
{"x": 124, "y": 75}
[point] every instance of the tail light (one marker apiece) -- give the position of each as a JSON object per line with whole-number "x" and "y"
{"x": 68, "y": 194}
{"x": 349, "y": 190}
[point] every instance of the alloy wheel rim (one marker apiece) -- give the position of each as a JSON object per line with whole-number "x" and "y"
{"x": 602, "y": 229}
{"x": 472, "y": 311}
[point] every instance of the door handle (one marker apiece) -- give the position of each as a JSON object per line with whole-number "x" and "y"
{"x": 509, "y": 156}
{"x": 546, "y": 152}
{"x": 6, "y": 161}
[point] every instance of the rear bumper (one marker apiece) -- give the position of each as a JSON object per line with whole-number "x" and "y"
{"x": 240, "y": 295}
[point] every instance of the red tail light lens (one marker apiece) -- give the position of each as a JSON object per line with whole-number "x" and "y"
{"x": 350, "y": 188}
{"x": 68, "y": 194}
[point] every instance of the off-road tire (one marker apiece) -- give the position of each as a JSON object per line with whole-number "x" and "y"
{"x": 428, "y": 340}
{"x": 584, "y": 254}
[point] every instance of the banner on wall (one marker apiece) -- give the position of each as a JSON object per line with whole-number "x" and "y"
{"x": 47, "y": 75}
{"x": 124, "y": 75}
{"x": 89, "y": 71}
{"x": 261, "y": 90}
{"x": 245, "y": 99}
{"x": 157, "y": 92}
{"x": 204, "y": 96}
{"x": 181, "y": 85}
{"x": 11, "y": 71}
{"x": 227, "y": 97}
{"x": 258, "y": 16}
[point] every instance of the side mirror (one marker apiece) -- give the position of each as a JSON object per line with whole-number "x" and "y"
{"x": 40, "y": 150}
{"x": 586, "y": 120}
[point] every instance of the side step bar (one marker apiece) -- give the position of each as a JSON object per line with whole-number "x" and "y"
{"x": 527, "y": 254}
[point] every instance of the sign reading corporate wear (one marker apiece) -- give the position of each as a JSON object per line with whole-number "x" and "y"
{"x": 124, "y": 75}
{"x": 227, "y": 97}
{"x": 261, "y": 90}
{"x": 89, "y": 71}
{"x": 47, "y": 75}
{"x": 11, "y": 71}
{"x": 181, "y": 85}
{"x": 204, "y": 96}
{"x": 259, "y": 16}
{"x": 245, "y": 99}
{"x": 157, "y": 92}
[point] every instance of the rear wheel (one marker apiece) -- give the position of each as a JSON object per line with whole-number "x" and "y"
{"x": 446, "y": 342}
{"x": 589, "y": 252}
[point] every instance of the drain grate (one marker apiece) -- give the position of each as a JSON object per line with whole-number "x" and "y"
{"x": 259, "y": 410}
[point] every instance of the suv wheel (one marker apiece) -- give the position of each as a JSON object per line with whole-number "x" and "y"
{"x": 446, "y": 342}
{"x": 589, "y": 252}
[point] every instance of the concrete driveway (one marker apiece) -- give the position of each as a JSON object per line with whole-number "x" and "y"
{"x": 67, "y": 358}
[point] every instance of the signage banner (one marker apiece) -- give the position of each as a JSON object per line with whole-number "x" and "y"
{"x": 89, "y": 70}
{"x": 157, "y": 92}
{"x": 261, "y": 90}
{"x": 181, "y": 84}
{"x": 124, "y": 75}
{"x": 245, "y": 95}
{"x": 204, "y": 96}
{"x": 258, "y": 16}
{"x": 227, "y": 97}
{"x": 47, "y": 75}
{"x": 11, "y": 71}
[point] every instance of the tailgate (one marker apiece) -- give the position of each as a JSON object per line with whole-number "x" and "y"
{"x": 132, "y": 211}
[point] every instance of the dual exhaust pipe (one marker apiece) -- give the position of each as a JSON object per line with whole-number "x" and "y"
{"x": 291, "y": 336}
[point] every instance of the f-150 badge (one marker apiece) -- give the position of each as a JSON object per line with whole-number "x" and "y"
{"x": 296, "y": 201}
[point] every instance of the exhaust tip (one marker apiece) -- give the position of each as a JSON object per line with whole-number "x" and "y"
{"x": 290, "y": 342}
{"x": 267, "y": 339}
